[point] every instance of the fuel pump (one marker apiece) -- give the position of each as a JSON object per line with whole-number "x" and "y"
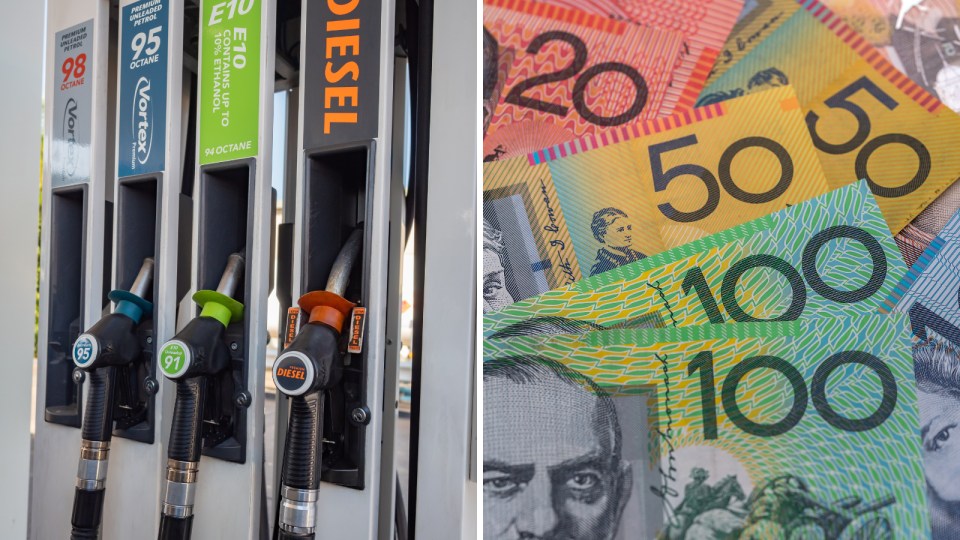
{"x": 308, "y": 368}
{"x": 110, "y": 352}
{"x": 194, "y": 359}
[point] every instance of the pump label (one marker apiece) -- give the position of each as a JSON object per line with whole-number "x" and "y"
{"x": 357, "y": 319}
{"x": 143, "y": 87}
{"x": 291, "y": 330}
{"x": 72, "y": 105}
{"x": 85, "y": 350}
{"x": 174, "y": 359}
{"x": 341, "y": 72}
{"x": 293, "y": 373}
{"x": 229, "y": 80}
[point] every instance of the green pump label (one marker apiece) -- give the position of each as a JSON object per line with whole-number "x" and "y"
{"x": 174, "y": 358}
{"x": 229, "y": 80}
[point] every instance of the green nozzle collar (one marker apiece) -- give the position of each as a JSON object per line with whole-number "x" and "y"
{"x": 219, "y": 306}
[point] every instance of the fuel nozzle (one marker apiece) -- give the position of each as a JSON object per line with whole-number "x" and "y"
{"x": 311, "y": 364}
{"x": 109, "y": 344}
{"x": 194, "y": 355}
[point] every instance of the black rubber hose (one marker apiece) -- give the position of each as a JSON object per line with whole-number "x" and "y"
{"x": 174, "y": 528}
{"x": 301, "y": 455}
{"x": 185, "y": 433}
{"x": 87, "y": 508}
{"x": 98, "y": 416}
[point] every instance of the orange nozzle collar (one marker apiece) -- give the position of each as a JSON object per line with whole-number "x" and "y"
{"x": 326, "y": 307}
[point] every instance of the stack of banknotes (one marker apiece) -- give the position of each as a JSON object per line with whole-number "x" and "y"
{"x": 721, "y": 269}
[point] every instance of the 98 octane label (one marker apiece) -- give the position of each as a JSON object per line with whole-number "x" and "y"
{"x": 229, "y": 80}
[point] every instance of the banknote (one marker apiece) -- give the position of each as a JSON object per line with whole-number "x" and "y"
{"x": 591, "y": 205}
{"x": 757, "y": 20}
{"x": 865, "y": 117}
{"x": 830, "y": 255}
{"x": 919, "y": 37}
{"x": 930, "y": 295}
{"x": 917, "y": 235}
{"x": 573, "y": 74}
{"x": 705, "y": 25}
{"x": 762, "y": 431}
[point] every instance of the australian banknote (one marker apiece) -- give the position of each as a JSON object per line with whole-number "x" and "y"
{"x": 594, "y": 204}
{"x": 753, "y": 430}
{"x": 757, "y": 20}
{"x": 704, "y": 24}
{"x": 571, "y": 74}
{"x": 930, "y": 295}
{"x": 830, "y": 255}
{"x": 919, "y": 37}
{"x": 867, "y": 119}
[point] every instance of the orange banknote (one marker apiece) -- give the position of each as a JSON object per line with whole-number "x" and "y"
{"x": 588, "y": 206}
{"x": 705, "y": 25}
{"x": 572, "y": 74}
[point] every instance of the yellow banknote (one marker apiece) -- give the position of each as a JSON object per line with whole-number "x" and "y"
{"x": 758, "y": 19}
{"x": 866, "y": 118}
{"x": 591, "y": 205}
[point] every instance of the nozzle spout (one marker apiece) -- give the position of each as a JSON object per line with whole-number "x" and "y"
{"x": 232, "y": 275}
{"x": 340, "y": 273}
{"x": 144, "y": 279}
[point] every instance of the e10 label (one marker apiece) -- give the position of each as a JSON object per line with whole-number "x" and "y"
{"x": 174, "y": 359}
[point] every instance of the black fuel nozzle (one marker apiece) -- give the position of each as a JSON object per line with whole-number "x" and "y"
{"x": 109, "y": 344}
{"x": 310, "y": 365}
{"x": 195, "y": 354}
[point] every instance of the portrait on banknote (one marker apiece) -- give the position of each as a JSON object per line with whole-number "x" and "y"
{"x": 613, "y": 228}
{"x": 563, "y": 459}
{"x": 937, "y": 369}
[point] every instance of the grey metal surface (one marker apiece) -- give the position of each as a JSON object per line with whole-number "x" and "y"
{"x": 55, "y": 446}
{"x": 391, "y": 388}
{"x": 446, "y": 499}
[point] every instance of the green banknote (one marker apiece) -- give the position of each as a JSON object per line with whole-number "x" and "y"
{"x": 788, "y": 430}
{"x": 831, "y": 255}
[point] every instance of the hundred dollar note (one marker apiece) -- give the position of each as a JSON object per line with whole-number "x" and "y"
{"x": 705, "y": 25}
{"x": 572, "y": 74}
{"x": 752, "y": 431}
{"x": 830, "y": 255}
{"x": 588, "y": 206}
{"x": 930, "y": 295}
{"x": 867, "y": 119}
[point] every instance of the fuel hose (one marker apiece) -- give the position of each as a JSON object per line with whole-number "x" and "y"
{"x": 310, "y": 365}
{"x": 190, "y": 359}
{"x": 109, "y": 343}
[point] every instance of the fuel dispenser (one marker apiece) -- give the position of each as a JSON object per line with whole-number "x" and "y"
{"x": 212, "y": 473}
{"x": 332, "y": 369}
{"x": 75, "y": 251}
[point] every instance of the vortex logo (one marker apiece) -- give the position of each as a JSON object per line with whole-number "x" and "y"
{"x": 70, "y": 126}
{"x": 142, "y": 120}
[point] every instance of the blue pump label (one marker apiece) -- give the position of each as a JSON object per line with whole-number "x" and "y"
{"x": 143, "y": 88}
{"x": 85, "y": 350}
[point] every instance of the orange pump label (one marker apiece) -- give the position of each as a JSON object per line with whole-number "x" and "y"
{"x": 290, "y": 331}
{"x": 357, "y": 319}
